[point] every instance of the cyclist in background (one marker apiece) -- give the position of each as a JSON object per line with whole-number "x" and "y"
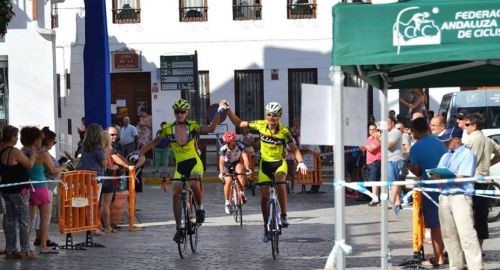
{"x": 232, "y": 156}
{"x": 274, "y": 136}
{"x": 183, "y": 136}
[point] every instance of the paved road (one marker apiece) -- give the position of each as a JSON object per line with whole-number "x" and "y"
{"x": 225, "y": 245}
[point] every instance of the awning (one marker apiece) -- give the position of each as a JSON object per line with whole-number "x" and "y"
{"x": 419, "y": 43}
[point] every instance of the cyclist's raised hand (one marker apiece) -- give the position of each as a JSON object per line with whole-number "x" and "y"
{"x": 302, "y": 168}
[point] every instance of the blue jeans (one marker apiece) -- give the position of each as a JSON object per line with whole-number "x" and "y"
{"x": 395, "y": 168}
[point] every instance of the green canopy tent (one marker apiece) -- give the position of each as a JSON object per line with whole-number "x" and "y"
{"x": 415, "y": 43}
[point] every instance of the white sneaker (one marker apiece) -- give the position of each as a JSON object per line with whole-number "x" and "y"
{"x": 228, "y": 209}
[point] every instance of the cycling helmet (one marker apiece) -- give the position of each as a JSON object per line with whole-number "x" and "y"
{"x": 274, "y": 107}
{"x": 181, "y": 104}
{"x": 229, "y": 136}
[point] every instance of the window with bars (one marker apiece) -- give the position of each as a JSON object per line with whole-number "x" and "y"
{"x": 199, "y": 100}
{"x": 296, "y": 77}
{"x": 193, "y": 10}
{"x": 249, "y": 94}
{"x": 126, "y": 11}
{"x": 301, "y": 9}
{"x": 247, "y": 10}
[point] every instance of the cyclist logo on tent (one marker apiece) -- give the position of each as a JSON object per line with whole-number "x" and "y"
{"x": 415, "y": 29}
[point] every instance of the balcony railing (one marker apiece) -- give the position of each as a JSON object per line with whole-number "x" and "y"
{"x": 247, "y": 12}
{"x": 302, "y": 11}
{"x": 193, "y": 14}
{"x": 126, "y": 15}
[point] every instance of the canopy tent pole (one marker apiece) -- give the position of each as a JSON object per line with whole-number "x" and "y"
{"x": 384, "y": 193}
{"x": 338, "y": 116}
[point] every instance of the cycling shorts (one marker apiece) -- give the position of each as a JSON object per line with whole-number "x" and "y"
{"x": 189, "y": 167}
{"x": 268, "y": 169}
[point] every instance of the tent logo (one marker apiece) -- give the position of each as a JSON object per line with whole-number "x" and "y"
{"x": 415, "y": 28}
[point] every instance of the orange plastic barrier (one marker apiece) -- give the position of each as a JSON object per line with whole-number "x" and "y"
{"x": 313, "y": 176}
{"x": 418, "y": 227}
{"x": 131, "y": 199}
{"x": 78, "y": 202}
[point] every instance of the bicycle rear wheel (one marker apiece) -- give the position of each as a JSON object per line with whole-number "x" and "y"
{"x": 181, "y": 246}
{"x": 494, "y": 204}
{"x": 193, "y": 227}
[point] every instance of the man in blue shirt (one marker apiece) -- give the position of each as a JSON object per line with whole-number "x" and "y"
{"x": 455, "y": 204}
{"x": 425, "y": 154}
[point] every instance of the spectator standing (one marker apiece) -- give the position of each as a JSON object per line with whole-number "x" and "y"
{"x": 438, "y": 125}
{"x": 395, "y": 159}
{"x": 14, "y": 166}
{"x": 460, "y": 116}
{"x": 425, "y": 154}
{"x": 162, "y": 151}
{"x": 128, "y": 136}
{"x": 40, "y": 196}
{"x": 416, "y": 103}
{"x": 144, "y": 127}
{"x": 455, "y": 204}
{"x": 93, "y": 155}
{"x": 406, "y": 142}
{"x": 484, "y": 148}
{"x": 373, "y": 157}
{"x": 52, "y": 171}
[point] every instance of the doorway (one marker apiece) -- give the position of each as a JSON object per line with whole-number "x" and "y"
{"x": 130, "y": 92}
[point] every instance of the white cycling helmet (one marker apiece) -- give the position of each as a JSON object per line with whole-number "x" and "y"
{"x": 274, "y": 107}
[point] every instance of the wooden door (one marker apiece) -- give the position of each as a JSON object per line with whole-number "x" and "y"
{"x": 135, "y": 89}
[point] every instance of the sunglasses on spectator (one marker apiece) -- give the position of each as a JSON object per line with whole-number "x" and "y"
{"x": 273, "y": 115}
{"x": 468, "y": 124}
{"x": 179, "y": 111}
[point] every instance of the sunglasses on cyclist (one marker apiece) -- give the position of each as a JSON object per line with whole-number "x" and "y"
{"x": 179, "y": 111}
{"x": 273, "y": 115}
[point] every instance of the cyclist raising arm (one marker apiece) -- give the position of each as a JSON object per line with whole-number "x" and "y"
{"x": 183, "y": 135}
{"x": 231, "y": 156}
{"x": 274, "y": 136}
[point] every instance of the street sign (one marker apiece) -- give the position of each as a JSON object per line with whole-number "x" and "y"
{"x": 178, "y": 72}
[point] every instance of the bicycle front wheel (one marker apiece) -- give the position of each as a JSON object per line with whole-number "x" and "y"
{"x": 494, "y": 204}
{"x": 273, "y": 230}
{"x": 181, "y": 246}
{"x": 193, "y": 227}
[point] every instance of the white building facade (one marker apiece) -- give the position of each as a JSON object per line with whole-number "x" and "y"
{"x": 27, "y": 67}
{"x": 250, "y": 52}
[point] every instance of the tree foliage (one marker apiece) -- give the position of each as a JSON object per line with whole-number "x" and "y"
{"x": 6, "y": 14}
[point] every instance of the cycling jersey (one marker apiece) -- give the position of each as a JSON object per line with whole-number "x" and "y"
{"x": 272, "y": 146}
{"x": 232, "y": 155}
{"x": 187, "y": 151}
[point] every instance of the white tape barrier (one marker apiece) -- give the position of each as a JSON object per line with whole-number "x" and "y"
{"x": 100, "y": 178}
